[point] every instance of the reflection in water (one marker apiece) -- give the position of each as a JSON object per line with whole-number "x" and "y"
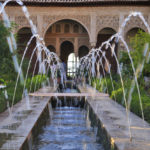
{"x": 67, "y": 130}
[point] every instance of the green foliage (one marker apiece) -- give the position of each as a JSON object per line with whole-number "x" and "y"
{"x": 137, "y": 53}
{"x": 146, "y": 70}
{"x": 2, "y": 81}
{"x": 118, "y": 94}
{"x": 3, "y": 103}
{"x": 10, "y": 91}
{"x": 35, "y": 82}
{"x": 125, "y": 61}
{"x": 6, "y": 67}
{"x": 8, "y": 74}
{"x": 99, "y": 84}
{"x": 138, "y": 43}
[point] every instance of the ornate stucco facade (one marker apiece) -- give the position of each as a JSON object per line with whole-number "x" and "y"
{"x": 93, "y": 18}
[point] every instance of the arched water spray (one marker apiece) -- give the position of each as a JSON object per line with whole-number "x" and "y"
{"x": 119, "y": 37}
{"x": 40, "y": 46}
{"x": 87, "y": 63}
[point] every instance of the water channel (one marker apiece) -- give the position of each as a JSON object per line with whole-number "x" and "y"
{"x": 69, "y": 128}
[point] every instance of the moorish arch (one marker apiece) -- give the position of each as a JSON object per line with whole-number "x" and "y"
{"x": 83, "y": 50}
{"x": 84, "y": 21}
{"x": 107, "y": 21}
{"x": 67, "y": 30}
{"x": 20, "y": 27}
{"x": 72, "y": 64}
{"x": 51, "y": 48}
{"x": 131, "y": 33}
{"x": 136, "y": 22}
{"x": 103, "y": 36}
{"x": 66, "y": 48}
{"x": 23, "y": 36}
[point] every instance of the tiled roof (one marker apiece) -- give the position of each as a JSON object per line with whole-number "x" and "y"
{"x": 80, "y": 2}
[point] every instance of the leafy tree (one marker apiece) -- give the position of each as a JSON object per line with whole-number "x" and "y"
{"x": 7, "y": 72}
{"x": 7, "y": 69}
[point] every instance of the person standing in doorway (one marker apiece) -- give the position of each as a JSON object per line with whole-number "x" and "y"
{"x": 64, "y": 69}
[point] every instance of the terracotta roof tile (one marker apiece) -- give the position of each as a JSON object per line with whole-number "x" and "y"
{"x": 82, "y": 2}
{"x": 78, "y": 1}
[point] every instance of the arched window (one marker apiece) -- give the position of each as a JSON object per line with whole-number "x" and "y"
{"x": 51, "y": 48}
{"x": 23, "y": 36}
{"x": 131, "y": 33}
{"x": 73, "y": 64}
{"x": 83, "y": 50}
{"x": 75, "y": 28}
{"x": 104, "y": 35}
{"x": 49, "y": 30}
{"x": 83, "y": 30}
{"x": 58, "y": 28}
{"x": 67, "y": 28}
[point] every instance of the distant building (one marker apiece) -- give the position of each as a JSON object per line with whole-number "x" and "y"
{"x": 75, "y": 26}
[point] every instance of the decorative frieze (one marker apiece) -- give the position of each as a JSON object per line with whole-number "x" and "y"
{"x": 50, "y": 19}
{"x": 107, "y": 21}
{"x": 135, "y": 22}
{"x": 21, "y": 21}
{"x": 66, "y": 39}
{"x": 83, "y": 41}
{"x": 50, "y": 41}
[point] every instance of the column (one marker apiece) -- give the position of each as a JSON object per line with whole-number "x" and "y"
{"x": 12, "y": 19}
{"x": 121, "y": 19}
{"x": 76, "y": 51}
{"x": 40, "y": 25}
{"x": 149, "y": 19}
{"x": 120, "y": 45}
{"x": 39, "y": 31}
{"x": 58, "y": 46}
{"x": 93, "y": 36}
{"x": 76, "y": 46}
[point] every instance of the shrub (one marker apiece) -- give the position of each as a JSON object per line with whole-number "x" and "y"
{"x": 3, "y": 103}
{"x": 7, "y": 72}
{"x": 34, "y": 83}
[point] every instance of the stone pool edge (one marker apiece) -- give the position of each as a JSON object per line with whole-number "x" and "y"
{"x": 112, "y": 123}
{"x": 22, "y": 135}
{"x": 103, "y": 135}
{"x": 44, "y": 115}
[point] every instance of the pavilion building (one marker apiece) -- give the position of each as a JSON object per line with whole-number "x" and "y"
{"x": 76, "y": 26}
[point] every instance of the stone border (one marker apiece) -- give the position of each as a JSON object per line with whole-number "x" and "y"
{"x": 16, "y": 131}
{"x": 112, "y": 121}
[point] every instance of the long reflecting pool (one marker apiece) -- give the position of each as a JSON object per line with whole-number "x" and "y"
{"x": 69, "y": 129}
